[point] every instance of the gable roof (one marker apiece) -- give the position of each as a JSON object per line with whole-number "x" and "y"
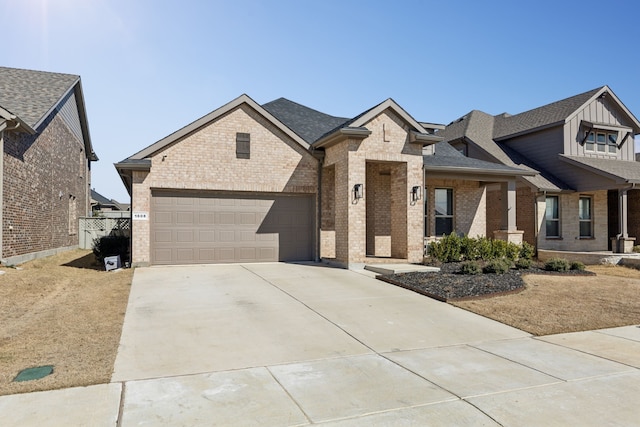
{"x": 487, "y": 132}
{"x": 32, "y": 95}
{"x": 28, "y": 97}
{"x": 310, "y": 124}
{"x": 100, "y": 198}
{"x": 204, "y": 120}
{"x": 618, "y": 170}
{"x": 541, "y": 117}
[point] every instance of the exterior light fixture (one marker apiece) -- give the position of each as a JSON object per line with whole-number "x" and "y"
{"x": 358, "y": 191}
{"x": 416, "y": 193}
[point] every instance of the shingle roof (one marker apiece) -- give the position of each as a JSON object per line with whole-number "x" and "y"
{"x": 30, "y": 95}
{"x": 308, "y": 123}
{"x": 555, "y": 112}
{"x": 447, "y": 157}
{"x": 100, "y": 198}
{"x": 617, "y": 169}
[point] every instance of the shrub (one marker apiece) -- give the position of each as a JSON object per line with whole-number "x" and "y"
{"x": 485, "y": 248}
{"x": 469, "y": 248}
{"x": 523, "y": 263}
{"x": 557, "y": 264}
{"x": 447, "y": 249}
{"x": 499, "y": 249}
{"x": 513, "y": 251}
{"x": 497, "y": 266}
{"x": 111, "y": 245}
{"x": 471, "y": 267}
{"x": 577, "y": 265}
{"x": 527, "y": 251}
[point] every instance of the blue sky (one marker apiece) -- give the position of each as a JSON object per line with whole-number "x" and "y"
{"x": 150, "y": 67}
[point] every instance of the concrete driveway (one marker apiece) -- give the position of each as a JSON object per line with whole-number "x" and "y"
{"x": 287, "y": 344}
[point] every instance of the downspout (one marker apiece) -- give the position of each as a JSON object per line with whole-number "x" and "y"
{"x": 320, "y": 157}
{"x": 536, "y": 231}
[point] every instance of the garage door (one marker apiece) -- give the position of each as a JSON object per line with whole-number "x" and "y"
{"x": 202, "y": 228}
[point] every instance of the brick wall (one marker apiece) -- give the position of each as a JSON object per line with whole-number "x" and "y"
{"x": 525, "y": 212}
{"x": 469, "y": 206}
{"x": 41, "y": 173}
{"x": 378, "y": 201}
{"x": 206, "y": 160}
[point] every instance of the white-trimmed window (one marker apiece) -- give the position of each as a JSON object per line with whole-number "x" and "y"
{"x": 443, "y": 203}
{"x": 585, "y": 215}
{"x": 602, "y": 142}
{"x": 552, "y": 216}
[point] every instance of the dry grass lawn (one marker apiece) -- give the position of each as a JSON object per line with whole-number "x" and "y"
{"x": 559, "y": 304}
{"x": 61, "y": 311}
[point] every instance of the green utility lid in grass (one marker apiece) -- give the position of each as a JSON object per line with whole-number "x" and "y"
{"x": 33, "y": 373}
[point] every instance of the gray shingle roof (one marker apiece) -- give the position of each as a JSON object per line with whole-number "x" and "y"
{"x": 100, "y": 198}
{"x": 506, "y": 125}
{"x": 30, "y": 95}
{"x": 307, "y": 123}
{"x": 622, "y": 170}
{"x": 447, "y": 157}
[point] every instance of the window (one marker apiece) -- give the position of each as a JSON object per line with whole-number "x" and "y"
{"x": 73, "y": 215}
{"x": 552, "y": 217}
{"x": 444, "y": 211}
{"x": 585, "y": 216}
{"x": 602, "y": 142}
{"x": 243, "y": 145}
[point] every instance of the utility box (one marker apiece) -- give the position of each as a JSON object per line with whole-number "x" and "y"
{"x": 112, "y": 262}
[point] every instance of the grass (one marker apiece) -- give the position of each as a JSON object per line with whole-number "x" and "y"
{"x": 63, "y": 311}
{"x": 559, "y": 304}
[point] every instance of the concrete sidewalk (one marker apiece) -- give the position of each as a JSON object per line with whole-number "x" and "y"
{"x": 288, "y": 344}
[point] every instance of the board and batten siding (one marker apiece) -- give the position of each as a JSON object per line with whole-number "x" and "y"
{"x": 599, "y": 111}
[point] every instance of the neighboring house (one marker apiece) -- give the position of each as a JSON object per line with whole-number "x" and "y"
{"x": 283, "y": 182}
{"x": 583, "y": 196}
{"x": 101, "y": 204}
{"x": 45, "y": 168}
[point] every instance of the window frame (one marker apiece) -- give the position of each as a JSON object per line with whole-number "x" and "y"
{"x": 448, "y": 216}
{"x": 585, "y": 220}
{"x": 608, "y": 145}
{"x": 555, "y": 219}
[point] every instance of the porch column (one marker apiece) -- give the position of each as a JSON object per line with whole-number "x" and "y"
{"x": 508, "y": 206}
{"x": 622, "y": 243}
{"x": 508, "y": 229}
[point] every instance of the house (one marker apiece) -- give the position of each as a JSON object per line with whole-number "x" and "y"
{"x": 110, "y": 207}
{"x": 584, "y": 196}
{"x": 46, "y": 163}
{"x": 283, "y": 182}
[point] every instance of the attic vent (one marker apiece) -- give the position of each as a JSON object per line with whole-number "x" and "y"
{"x": 243, "y": 145}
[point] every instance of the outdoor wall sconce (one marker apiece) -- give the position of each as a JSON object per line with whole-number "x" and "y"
{"x": 358, "y": 190}
{"x": 416, "y": 193}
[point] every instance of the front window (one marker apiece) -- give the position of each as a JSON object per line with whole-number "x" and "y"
{"x": 444, "y": 211}
{"x": 602, "y": 142}
{"x": 586, "y": 217}
{"x": 552, "y": 217}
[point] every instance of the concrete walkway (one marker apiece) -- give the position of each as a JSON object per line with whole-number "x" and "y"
{"x": 294, "y": 345}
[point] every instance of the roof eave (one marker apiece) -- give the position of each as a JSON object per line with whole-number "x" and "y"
{"x": 424, "y": 138}
{"x": 480, "y": 171}
{"x": 597, "y": 171}
{"x": 342, "y": 134}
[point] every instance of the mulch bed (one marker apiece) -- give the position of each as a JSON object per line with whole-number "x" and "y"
{"x": 450, "y": 285}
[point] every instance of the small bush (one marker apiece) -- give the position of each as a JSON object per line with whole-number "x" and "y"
{"x": 557, "y": 264}
{"x": 513, "y": 251}
{"x": 471, "y": 267}
{"x": 497, "y": 266}
{"x": 469, "y": 248}
{"x": 527, "y": 251}
{"x": 499, "y": 249}
{"x": 577, "y": 265}
{"x": 447, "y": 249}
{"x": 111, "y": 246}
{"x": 485, "y": 248}
{"x": 523, "y": 263}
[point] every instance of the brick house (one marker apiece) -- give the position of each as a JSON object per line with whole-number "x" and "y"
{"x": 283, "y": 182}
{"x": 46, "y": 163}
{"x": 583, "y": 196}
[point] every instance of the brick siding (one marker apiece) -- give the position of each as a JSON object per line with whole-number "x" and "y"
{"x": 41, "y": 173}
{"x": 206, "y": 160}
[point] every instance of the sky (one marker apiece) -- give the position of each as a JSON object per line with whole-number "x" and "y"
{"x": 150, "y": 67}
